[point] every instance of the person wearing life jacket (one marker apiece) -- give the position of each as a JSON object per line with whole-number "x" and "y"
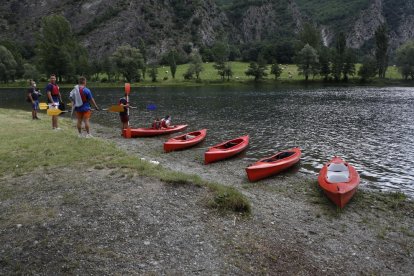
{"x": 156, "y": 124}
{"x": 53, "y": 98}
{"x": 166, "y": 122}
{"x": 83, "y": 112}
{"x": 124, "y": 114}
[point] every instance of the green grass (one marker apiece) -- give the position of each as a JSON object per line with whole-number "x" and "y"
{"x": 27, "y": 145}
{"x": 209, "y": 76}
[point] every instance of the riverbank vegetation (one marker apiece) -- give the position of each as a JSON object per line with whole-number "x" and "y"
{"x": 29, "y": 153}
{"x": 302, "y": 60}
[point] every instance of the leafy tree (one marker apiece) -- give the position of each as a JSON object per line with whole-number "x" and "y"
{"x": 228, "y": 72}
{"x": 172, "y": 62}
{"x": 339, "y": 56}
{"x": 196, "y": 65}
{"x": 381, "y": 52}
{"x": 368, "y": 69}
{"x": 325, "y": 63}
{"x": 16, "y": 50}
{"x": 276, "y": 70}
{"x": 348, "y": 68}
{"x": 96, "y": 67}
{"x": 310, "y": 35}
{"x": 128, "y": 61}
{"x": 153, "y": 72}
{"x": 31, "y": 72}
{"x": 405, "y": 60}
{"x": 307, "y": 61}
{"x": 58, "y": 49}
{"x": 143, "y": 49}
{"x": 257, "y": 70}
{"x": 108, "y": 67}
{"x": 220, "y": 52}
{"x": 7, "y": 65}
{"x": 221, "y": 68}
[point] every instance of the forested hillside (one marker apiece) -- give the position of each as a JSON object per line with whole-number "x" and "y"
{"x": 102, "y": 25}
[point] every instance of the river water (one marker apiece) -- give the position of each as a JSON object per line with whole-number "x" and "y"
{"x": 372, "y": 128}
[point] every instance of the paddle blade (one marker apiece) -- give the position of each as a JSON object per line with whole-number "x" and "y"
{"x": 116, "y": 108}
{"x": 151, "y": 107}
{"x": 54, "y": 112}
{"x": 127, "y": 88}
{"x": 43, "y": 106}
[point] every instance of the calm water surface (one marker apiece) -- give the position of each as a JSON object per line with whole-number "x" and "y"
{"x": 372, "y": 128}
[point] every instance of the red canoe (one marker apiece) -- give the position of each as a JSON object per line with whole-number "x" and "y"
{"x": 146, "y": 132}
{"x": 185, "y": 141}
{"x": 339, "y": 181}
{"x": 226, "y": 149}
{"x": 272, "y": 165}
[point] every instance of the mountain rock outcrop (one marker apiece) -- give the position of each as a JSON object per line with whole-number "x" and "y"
{"x": 102, "y": 25}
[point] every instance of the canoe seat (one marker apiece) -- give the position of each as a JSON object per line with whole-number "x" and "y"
{"x": 280, "y": 156}
{"x": 337, "y": 173}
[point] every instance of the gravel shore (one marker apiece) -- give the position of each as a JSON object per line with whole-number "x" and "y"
{"x": 109, "y": 221}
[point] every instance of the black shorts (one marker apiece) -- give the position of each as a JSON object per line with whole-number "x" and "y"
{"x": 124, "y": 118}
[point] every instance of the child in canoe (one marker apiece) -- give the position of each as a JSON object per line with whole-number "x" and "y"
{"x": 156, "y": 124}
{"x": 166, "y": 122}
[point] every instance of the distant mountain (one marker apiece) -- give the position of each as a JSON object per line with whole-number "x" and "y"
{"x": 102, "y": 25}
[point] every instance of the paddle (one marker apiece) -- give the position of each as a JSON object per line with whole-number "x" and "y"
{"x": 127, "y": 91}
{"x": 55, "y": 112}
{"x": 115, "y": 108}
{"x": 44, "y": 106}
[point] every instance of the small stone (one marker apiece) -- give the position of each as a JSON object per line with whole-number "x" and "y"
{"x": 35, "y": 242}
{"x": 19, "y": 225}
{"x": 146, "y": 243}
{"x": 272, "y": 223}
{"x": 17, "y": 166}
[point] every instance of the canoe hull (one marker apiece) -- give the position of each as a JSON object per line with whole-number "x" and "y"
{"x": 262, "y": 169}
{"x": 339, "y": 193}
{"x": 178, "y": 143}
{"x": 149, "y": 132}
{"x": 216, "y": 153}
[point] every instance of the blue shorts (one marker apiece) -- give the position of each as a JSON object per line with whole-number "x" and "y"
{"x": 35, "y": 105}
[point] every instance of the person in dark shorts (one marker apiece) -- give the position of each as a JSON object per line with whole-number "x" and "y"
{"x": 33, "y": 95}
{"x": 124, "y": 114}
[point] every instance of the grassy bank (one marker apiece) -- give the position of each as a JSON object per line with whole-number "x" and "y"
{"x": 27, "y": 146}
{"x": 209, "y": 76}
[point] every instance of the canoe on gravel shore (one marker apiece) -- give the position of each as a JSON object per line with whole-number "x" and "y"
{"x": 339, "y": 181}
{"x": 185, "y": 141}
{"x": 272, "y": 165}
{"x": 226, "y": 149}
{"x": 146, "y": 132}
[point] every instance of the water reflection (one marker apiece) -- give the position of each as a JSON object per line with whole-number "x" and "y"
{"x": 371, "y": 128}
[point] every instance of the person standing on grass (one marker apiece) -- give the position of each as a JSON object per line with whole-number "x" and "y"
{"x": 33, "y": 97}
{"x": 81, "y": 98}
{"x": 53, "y": 98}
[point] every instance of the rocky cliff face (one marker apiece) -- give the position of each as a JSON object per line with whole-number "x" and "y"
{"x": 102, "y": 25}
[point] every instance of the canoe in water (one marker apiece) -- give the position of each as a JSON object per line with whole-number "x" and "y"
{"x": 339, "y": 181}
{"x": 185, "y": 141}
{"x": 274, "y": 164}
{"x": 226, "y": 149}
{"x": 146, "y": 132}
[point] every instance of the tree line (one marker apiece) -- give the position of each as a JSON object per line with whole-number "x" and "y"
{"x": 58, "y": 51}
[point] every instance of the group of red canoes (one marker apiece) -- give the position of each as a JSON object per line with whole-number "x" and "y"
{"x": 337, "y": 178}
